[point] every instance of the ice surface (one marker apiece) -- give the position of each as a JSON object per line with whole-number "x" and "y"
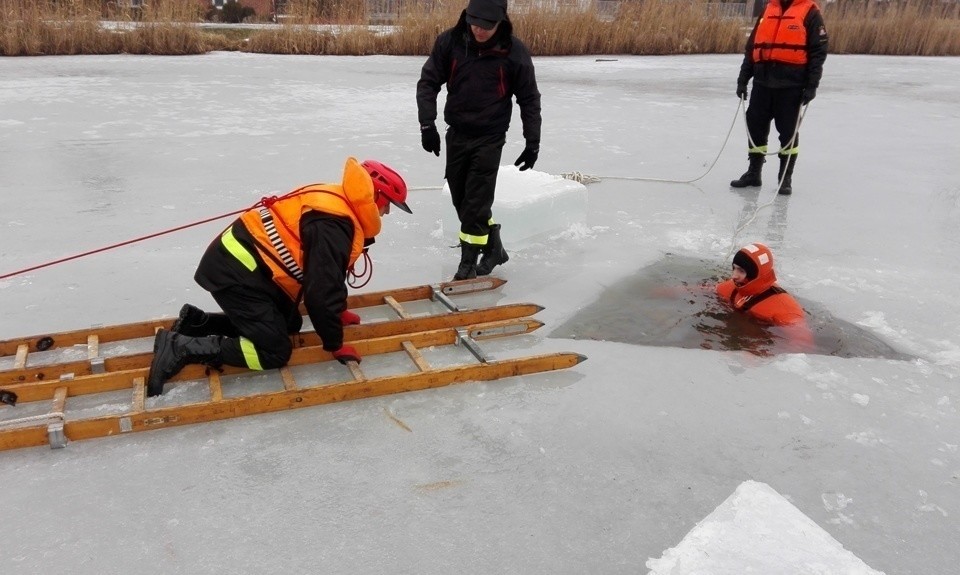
{"x": 530, "y": 205}
{"x": 595, "y": 469}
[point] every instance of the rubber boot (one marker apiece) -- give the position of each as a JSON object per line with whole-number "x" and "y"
{"x": 195, "y": 322}
{"x": 493, "y": 254}
{"x": 786, "y": 185}
{"x": 172, "y": 351}
{"x": 468, "y": 261}
{"x": 752, "y": 176}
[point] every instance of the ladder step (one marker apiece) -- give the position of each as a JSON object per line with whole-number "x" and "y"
{"x": 20, "y": 362}
{"x": 416, "y": 356}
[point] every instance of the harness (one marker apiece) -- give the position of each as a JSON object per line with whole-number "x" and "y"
{"x": 770, "y": 292}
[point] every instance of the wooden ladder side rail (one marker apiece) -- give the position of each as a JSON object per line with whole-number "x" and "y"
{"x": 227, "y": 408}
{"x": 351, "y": 334}
{"x": 120, "y": 332}
{"x": 116, "y": 380}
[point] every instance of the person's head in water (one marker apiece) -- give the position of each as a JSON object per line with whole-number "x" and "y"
{"x": 753, "y": 269}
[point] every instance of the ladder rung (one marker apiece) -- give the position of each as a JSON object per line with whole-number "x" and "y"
{"x": 289, "y": 383}
{"x": 21, "y": 360}
{"x": 356, "y": 371}
{"x": 395, "y": 305}
{"x": 59, "y": 400}
{"x": 93, "y": 346}
{"x": 416, "y": 356}
{"x": 216, "y": 386}
{"x": 139, "y": 395}
{"x": 55, "y": 435}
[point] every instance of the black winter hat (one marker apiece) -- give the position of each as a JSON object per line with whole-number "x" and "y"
{"x": 746, "y": 262}
{"x": 486, "y": 13}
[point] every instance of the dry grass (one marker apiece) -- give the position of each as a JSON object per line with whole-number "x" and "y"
{"x": 907, "y": 28}
{"x": 32, "y": 27}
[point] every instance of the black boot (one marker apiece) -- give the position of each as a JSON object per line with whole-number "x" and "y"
{"x": 468, "y": 261}
{"x": 752, "y": 176}
{"x": 172, "y": 351}
{"x": 194, "y": 322}
{"x": 493, "y": 253}
{"x": 785, "y": 179}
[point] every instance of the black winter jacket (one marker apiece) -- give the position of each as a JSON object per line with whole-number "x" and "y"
{"x": 326, "y": 241}
{"x": 481, "y": 80}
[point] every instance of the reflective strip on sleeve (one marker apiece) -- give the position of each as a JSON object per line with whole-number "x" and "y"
{"x": 250, "y": 354}
{"x": 237, "y": 250}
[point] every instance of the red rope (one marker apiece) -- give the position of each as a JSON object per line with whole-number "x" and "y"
{"x": 357, "y": 281}
{"x": 264, "y": 201}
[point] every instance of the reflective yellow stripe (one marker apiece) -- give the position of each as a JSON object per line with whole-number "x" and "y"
{"x": 237, "y": 250}
{"x": 250, "y": 354}
{"x": 791, "y": 152}
{"x": 490, "y": 222}
{"x": 475, "y": 240}
{"x": 757, "y": 150}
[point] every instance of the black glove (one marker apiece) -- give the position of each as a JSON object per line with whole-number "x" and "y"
{"x": 528, "y": 157}
{"x": 808, "y": 94}
{"x": 430, "y": 138}
{"x": 742, "y": 91}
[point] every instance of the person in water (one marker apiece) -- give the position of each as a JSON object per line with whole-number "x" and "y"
{"x": 752, "y": 289}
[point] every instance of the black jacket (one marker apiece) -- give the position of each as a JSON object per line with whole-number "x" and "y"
{"x": 326, "y": 241}
{"x": 481, "y": 80}
{"x": 779, "y": 75}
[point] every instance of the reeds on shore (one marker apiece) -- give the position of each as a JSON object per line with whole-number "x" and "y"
{"x": 170, "y": 27}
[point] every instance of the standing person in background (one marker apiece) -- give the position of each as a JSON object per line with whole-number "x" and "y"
{"x": 300, "y": 246}
{"x": 483, "y": 65}
{"x": 784, "y": 55}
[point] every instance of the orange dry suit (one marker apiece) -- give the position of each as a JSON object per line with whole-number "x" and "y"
{"x": 299, "y": 246}
{"x": 762, "y": 299}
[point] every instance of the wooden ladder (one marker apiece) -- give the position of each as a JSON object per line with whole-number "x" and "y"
{"x": 56, "y": 428}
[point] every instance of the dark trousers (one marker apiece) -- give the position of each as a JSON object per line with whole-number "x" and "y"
{"x": 782, "y": 105}
{"x": 265, "y": 320}
{"x": 472, "y": 166}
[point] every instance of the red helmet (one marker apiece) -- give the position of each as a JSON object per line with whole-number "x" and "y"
{"x": 388, "y": 185}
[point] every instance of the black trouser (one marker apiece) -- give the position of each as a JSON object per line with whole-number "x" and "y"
{"x": 782, "y": 105}
{"x": 265, "y": 320}
{"x": 472, "y": 166}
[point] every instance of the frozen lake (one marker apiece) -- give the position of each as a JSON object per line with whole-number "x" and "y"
{"x": 603, "y": 468}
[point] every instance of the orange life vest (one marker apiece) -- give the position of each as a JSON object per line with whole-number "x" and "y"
{"x": 276, "y": 227}
{"x": 781, "y": 35}
{"x": 779, "y": 308}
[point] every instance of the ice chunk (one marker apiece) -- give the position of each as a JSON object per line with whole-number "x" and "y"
{"x": 756, "y": 530}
